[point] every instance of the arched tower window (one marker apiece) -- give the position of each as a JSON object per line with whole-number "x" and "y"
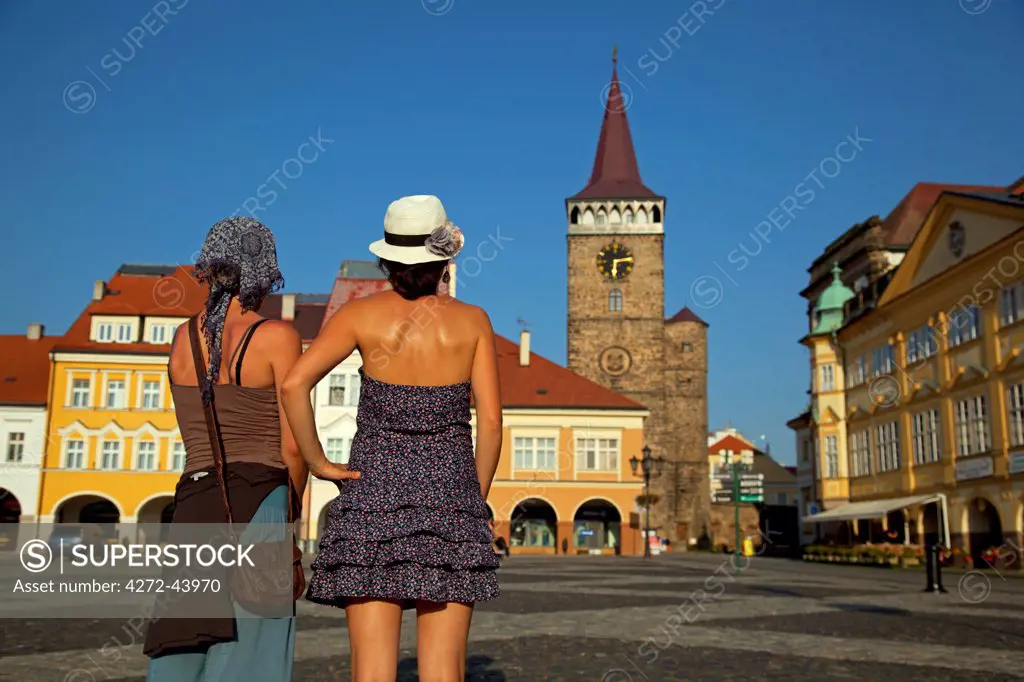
{"x": 574, "y": 216}
{"x": 615, "y": 301}
{"x": 627, "y": 217}
{"x": 641, "y": 216}
{"x": 655, "y": 215}
{"x": 614, "y": 218}
{"x": 588, "y": 217}
{"x": 602, "y": 217}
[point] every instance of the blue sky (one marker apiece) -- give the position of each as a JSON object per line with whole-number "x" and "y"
{"x": 495, "y": 107}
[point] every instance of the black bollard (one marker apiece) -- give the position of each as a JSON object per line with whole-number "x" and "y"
{"x": 929, "y": 559}
{"x": 938, "y": 569}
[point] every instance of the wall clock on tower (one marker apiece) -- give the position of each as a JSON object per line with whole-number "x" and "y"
{"x": 615, "y": 261}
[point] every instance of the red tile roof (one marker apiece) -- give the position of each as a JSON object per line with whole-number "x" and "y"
{"x": 729, "y": 443}
{"x": 686, "y": 315}
{"x": 1017, "y": 187}
{"x": 544, "y": 384}
{"x": 903, "y": 223}
{"x": 24, "y": 369}
{"x": 616, "y": 174}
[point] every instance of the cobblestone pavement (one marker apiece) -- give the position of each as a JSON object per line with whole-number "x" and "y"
{"x": 619, "y": 619}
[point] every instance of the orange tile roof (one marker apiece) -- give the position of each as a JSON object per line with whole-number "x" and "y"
{"x": 729, "y": 443}
{"x": 24, "y": 369}
{"x": 544, "y": 384}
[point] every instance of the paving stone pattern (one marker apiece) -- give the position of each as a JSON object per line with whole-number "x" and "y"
{"x": 623, "y": 619}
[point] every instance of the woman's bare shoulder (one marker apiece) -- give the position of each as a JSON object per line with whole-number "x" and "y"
{"x": 278, "y": 332}
{"x": 472, "y": 315}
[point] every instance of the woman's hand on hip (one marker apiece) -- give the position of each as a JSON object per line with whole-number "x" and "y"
{"x": 329, "y": 471}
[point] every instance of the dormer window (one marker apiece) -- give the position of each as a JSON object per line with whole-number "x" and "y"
{"x": 114, "y": 329}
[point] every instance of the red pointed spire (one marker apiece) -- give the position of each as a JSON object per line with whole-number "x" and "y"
{"x": 616, "y": 174}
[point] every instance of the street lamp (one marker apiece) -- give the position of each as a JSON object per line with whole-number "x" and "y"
{"x": 649, "y": 466}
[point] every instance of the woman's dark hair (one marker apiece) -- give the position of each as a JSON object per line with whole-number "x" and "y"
{"x": 414, "y": 281}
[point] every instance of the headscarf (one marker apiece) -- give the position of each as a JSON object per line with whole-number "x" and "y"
{"x": 245, "y": 247}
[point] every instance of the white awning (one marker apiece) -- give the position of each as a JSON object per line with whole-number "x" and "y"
{"x": 874, "y": 509}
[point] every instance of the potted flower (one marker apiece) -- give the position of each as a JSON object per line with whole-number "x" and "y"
{"x": 991, "y": 557}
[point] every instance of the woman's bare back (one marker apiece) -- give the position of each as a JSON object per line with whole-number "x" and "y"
{"x": 429, "y": 341}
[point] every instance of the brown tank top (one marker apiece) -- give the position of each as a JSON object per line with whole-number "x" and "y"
{"x": 250, "y": 422}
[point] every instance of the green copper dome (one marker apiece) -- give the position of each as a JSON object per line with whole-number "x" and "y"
{"x": 829, "y": 309}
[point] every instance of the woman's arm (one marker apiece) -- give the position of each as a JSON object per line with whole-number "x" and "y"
{"x": 334, "y": 343}
{"x": 487, "y": 399}
{"x": 286, "y": 351}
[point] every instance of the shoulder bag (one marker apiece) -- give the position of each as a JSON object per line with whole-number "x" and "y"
{"x": 257, "y": 589}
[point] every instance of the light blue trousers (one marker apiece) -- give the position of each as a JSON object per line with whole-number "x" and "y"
{"x": 265, "y": 647}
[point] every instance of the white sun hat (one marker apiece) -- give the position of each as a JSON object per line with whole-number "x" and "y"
{"x": 417, "y": 230}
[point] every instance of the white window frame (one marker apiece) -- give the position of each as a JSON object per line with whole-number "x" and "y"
{"x": 117, "y": 326}
{"x": 337, "y": 380}
{"x": 143, "y": 394}
{"x": 343, "y": 451}
{"x": 832, "y": 456}
{"x": 15, "y": 443}
{"x": 175, "y": 445}
{"x": 74, "y": 392}
{"x": 125, "y": 332}
{"x": 80, "y": 453}
{"x": 155, "y": 454}
{"x": 888, "y": 435}
{"x": 529, "y": 448}
{"x": 102, "y": 454}
{"x": 1011, "y": 304}
{"x": 926, "y": 427}
{"x": 580, "y": 457}
{"x": 828, "y": 378}
{"x": 1015, "y": 413}
{"x": 971, "y": 425}
{"x": 123, "y": 402}
{"x": 860, "y": 453}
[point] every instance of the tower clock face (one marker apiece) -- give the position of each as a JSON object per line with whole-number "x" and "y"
{"x": 615, "y": 261}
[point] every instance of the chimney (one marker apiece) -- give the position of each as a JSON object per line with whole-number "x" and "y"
{"x": 288, "y": 307}
{"x": 98, "y": 289}
{"x": 35, "y": 331}
{"x": 524, "y": 348}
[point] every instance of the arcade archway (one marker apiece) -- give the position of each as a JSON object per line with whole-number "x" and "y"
{"x": 155, "y": 517}
{"x": 10, "y": 516}
{"x": 92, "y": 510}
{"x": 534, "y": 523}
{"x": 984, "y": 527}
{"x": 596, "y": 525}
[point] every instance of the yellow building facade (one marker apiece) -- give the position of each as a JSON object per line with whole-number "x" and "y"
{"x": 113, "y": 450}
{"x": 926, "y": 400}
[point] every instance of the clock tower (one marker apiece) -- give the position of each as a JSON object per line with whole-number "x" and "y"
{"x": 618, "y": 335}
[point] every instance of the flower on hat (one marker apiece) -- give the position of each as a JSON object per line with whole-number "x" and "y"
{"x": 445, "y": 241}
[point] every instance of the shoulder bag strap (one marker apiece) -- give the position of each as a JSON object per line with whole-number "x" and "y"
{"x": 211, "y": 416}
